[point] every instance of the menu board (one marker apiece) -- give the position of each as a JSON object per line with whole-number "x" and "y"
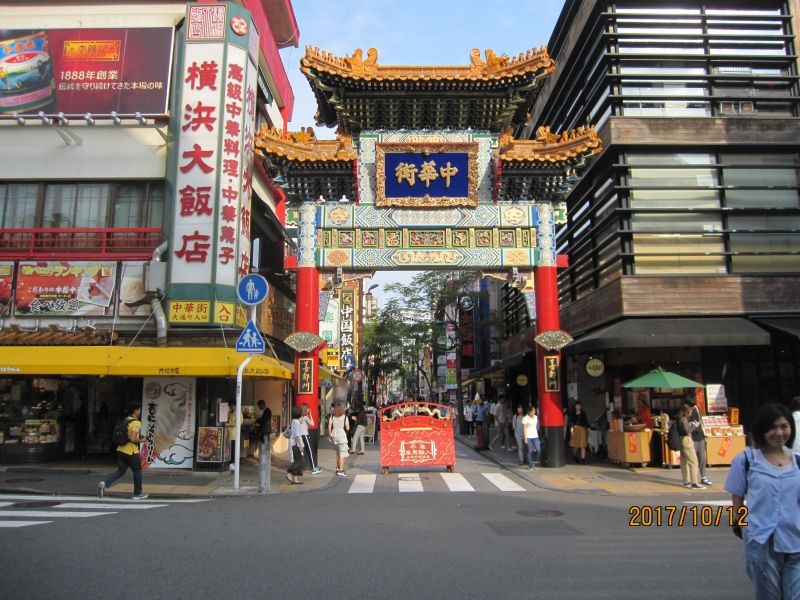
{"x": 718, "y": 426}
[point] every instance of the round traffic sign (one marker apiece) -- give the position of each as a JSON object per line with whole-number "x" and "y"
{"x": 252, "y": 289}
{"x": 357, "y": 376}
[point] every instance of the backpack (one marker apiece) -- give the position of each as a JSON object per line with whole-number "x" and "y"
{"x": 119, "y": 436}
{"x": 673, "y": 437}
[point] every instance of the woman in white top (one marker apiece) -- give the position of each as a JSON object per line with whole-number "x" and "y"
{"x": 530, "y": 426}
{"x": 337, "y": 434}
{"x": 468, "y": 418}
{"x": 295, "y": 470}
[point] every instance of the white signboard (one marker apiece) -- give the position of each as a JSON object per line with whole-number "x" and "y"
{"x": 168, "y": 416}
{"x": 717, "y": 401}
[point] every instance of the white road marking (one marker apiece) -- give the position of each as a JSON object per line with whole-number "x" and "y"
{"x": 44, "y": 514}
{"x": 4, "y": 524}
{"x": 91, "y": 499}
{"x": 456, "y": 482}
{"x": 503, "y": 483}
{"x": 409, "y": 482}
{"x": 2, "y": 504}
{"x": 363, "y": 484}
{"x": 99, "y": 505}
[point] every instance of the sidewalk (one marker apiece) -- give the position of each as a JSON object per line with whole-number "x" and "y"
{"x": 81, "y": 476}
{"x": 603, "y": 477}
{"x": 598, "y": 477}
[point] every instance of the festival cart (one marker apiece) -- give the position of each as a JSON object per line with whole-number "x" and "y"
{"x": 417, "y": 434}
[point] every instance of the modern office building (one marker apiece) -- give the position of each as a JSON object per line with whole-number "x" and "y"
{"x": 130, "y": 201}
{"x": 683, "y": 236}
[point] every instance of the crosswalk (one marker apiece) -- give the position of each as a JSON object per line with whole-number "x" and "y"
{"x": 411, "y": 483}
{"x": 26, "y": 510}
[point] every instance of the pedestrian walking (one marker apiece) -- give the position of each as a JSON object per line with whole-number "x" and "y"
{"x": 698, "y": 439}
{"x": 500, "y": 426}
{"x": 689, "y": 467}
{"x": 480, "y": 416}
{"x": 337, "y": 434}
{"x": 768, "y": 477}
{"x": 519, "y": 432}
{"x": 579, "y": 433}
{"x": 360, "y": 422}
{"x": 296, "y": 449}
{"x": 470, "y": 431}
{"x": 530, "y": 426}
{"x": 306, "y": 421}
{"x": 128, "y": 454}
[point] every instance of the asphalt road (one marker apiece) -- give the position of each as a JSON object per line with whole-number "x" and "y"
{"x": 387, "y": 544}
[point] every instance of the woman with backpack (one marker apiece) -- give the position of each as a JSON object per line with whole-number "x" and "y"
{"x": 337, "y": 434}
{"x": 768, "y": 476}
{"x": 127, "y": 437}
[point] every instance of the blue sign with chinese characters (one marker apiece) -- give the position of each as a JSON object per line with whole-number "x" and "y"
{"x": 417, "y": 174}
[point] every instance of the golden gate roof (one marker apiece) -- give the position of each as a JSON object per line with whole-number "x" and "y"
{"x": 550, "y": 147}
{"x": 302, "y": 146}
{"x": 493, "y": 67}
{"x": 489, "y": 93}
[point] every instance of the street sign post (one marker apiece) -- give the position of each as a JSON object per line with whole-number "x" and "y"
{"x": 252, "y": 290}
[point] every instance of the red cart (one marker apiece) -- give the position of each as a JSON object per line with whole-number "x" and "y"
{"x": 417, "y": 434}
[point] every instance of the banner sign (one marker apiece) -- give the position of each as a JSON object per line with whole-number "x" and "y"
{"x": 65, "y": 289}
{"x": 305, "y": 380}
{"x": 168, "y": 415}
{"x": 6, "y": 281}
{"x": 79, "y": 71}
{"x": 209, "y": 444}
{"x": 427, "y": 175}
{"x": 346, "y": 326}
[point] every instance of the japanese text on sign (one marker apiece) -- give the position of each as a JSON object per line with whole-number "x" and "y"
{"x": 346, "y": 330}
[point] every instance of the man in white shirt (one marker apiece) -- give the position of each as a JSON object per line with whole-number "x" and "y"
{"x": 530, "y": 428}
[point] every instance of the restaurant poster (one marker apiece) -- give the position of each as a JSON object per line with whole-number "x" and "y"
{"x": 6, "y": 282}
{"x": 209, "y": 444}
{"x": 65, "y": 288}
{"x": 132, "y": 302}
{"x": 168, "y": 417}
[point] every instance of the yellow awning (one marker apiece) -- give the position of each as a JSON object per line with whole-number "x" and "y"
{"x": 328, "y": 375}
{"x": 135, "y": 361}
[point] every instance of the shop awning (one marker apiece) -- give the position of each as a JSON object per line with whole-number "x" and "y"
{"x": 667, "y": 333}
{"x": 326, "y": 374}
{"x": 135, "y": 361}
{"x": 790, "y": 325}
{"x": 506, "y": 363}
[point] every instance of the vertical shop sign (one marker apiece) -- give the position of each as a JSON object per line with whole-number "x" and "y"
{"x": 168, "y": 415}
{"x": 346, "y": 328}
{"x": 198, "y": 160}
{"x": 305, "y": 381}
{"x": 551, "y": 374}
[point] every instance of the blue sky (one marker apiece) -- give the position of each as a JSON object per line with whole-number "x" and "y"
{"x": 412, "y": 32}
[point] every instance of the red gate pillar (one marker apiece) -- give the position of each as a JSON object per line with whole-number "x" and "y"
{"x": 307, "y": 317}
{"x": 548, "y": 363}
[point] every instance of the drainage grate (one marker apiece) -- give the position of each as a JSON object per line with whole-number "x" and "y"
{"x": 37, "y": 504}
{"x": 531, "y": 528}
{"x": 25, "y": 480}
{"x": 540, "y": 513}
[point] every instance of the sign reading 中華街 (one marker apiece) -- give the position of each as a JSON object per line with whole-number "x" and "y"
{"x": 426, "y": 175}
{"x": 305, "y": 376}
{"x": 79, "y": 71}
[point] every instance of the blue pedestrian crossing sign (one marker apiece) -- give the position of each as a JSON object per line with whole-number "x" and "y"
{"x": 250, "y": 340}
{"x": 252, "y": 289}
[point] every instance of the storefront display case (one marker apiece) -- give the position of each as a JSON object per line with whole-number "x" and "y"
{"x": 723, "y": 440}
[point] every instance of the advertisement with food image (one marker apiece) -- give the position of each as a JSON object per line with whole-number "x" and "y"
{"x": 6, "y": 281}
{"x": 132, "y": 300}
{"x": 209, "y": 444}
{"x": 65, "y": 288}
{"x": 168, "y": 420}
{"x": 79, "y": 71}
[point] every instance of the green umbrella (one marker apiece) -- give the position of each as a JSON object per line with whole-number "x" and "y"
{"x": 659, "y": 378}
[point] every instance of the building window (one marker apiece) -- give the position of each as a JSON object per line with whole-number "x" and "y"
{"x": 18, "y": 205}
{"x": 75, "y": 205}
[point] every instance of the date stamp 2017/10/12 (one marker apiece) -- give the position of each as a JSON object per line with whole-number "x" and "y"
{"x": 694, "y": 516}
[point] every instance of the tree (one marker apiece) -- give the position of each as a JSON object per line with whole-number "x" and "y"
{"x": 437, "y": 294}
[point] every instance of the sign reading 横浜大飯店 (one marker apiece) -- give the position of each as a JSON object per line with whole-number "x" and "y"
{"x": 79, "y": 71}
{"x": 426, "y": 174}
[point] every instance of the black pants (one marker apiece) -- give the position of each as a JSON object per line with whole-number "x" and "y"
{"x": 296, "y": 468}
{"x": 125, "y": 462}
{"x": 309, "y": 453}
